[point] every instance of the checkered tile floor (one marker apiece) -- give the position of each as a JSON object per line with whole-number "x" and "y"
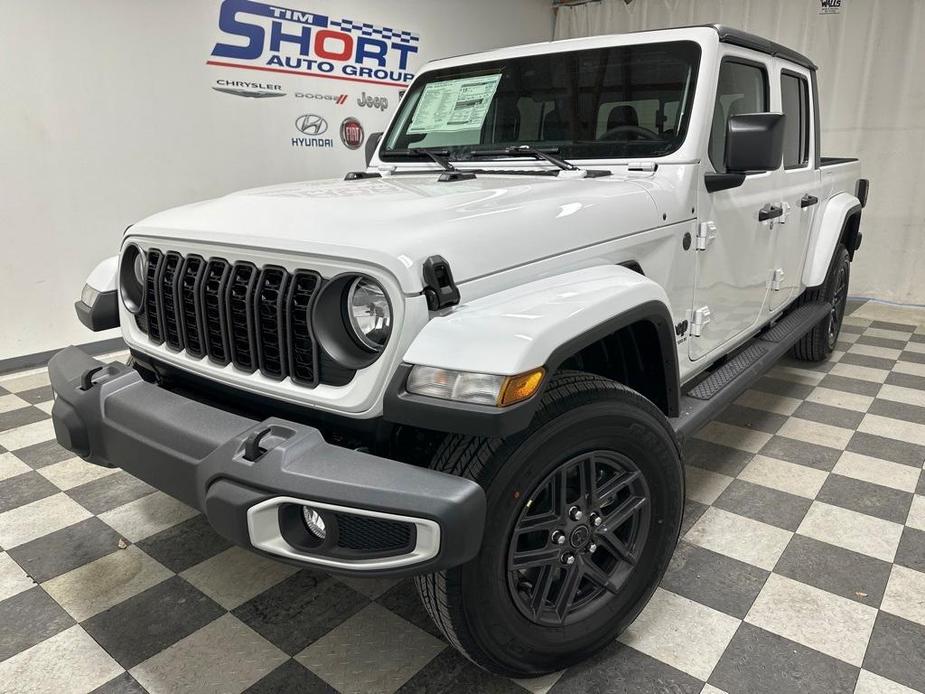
{"x": 801, "y": 565}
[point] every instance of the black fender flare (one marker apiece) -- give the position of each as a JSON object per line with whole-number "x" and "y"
{"x": 402, "y": 407}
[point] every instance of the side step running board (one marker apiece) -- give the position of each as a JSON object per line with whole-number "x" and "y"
{"x": 703, "y": 402}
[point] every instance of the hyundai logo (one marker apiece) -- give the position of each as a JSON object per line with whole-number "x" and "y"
{"x": 311, "y": 124}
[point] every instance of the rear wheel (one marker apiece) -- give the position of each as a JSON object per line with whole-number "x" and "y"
{"x": 820, "y": 342}
{"x": 584, "y": 510}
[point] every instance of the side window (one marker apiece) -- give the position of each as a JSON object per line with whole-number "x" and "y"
{"x": 742, "y": 88}
{"x": 794, "y": 92}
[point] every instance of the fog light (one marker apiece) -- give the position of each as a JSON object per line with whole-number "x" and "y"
{"x": 314, "y": 522}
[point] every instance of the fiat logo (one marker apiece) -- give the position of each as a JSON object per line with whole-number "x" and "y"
{"x": 351, "y": 133}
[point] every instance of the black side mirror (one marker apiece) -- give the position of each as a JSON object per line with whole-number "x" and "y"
{"x": 754, "y": 143}
{"x": 371, "y": 143}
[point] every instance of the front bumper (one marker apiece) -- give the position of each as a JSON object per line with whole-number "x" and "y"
{"x": 251, "y": 479}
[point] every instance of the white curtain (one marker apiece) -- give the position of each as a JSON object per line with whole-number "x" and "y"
{"x": 871, "y": 57}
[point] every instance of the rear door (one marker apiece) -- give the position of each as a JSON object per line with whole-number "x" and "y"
{"x": 737, "y": 249}
{"x": 799, "y": 183}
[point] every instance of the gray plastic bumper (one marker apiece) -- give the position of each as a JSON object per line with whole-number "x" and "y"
{"x": 245, "y": 475}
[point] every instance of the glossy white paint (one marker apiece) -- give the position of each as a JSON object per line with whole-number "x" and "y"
{"x": 103, "y": 277}
{"x": 536, "y": 258}
{"x": 517, "y": 329}
{"x": 795, "y": 231}
{"x": 825, "y": 236}
{"x": 399, "y": 221}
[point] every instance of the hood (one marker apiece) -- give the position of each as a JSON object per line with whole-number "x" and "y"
{"x": 480, "y": 226}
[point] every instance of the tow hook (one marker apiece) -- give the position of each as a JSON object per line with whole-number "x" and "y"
{"x": 89, "y": 378}
{"x": 252, "y": 449}
{"x": 86, "y": 380}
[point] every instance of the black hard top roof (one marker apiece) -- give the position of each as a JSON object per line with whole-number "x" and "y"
{"x": 730, "y": 35}
{"x": 737, "y": 37}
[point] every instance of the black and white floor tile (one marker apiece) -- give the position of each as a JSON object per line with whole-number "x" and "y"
{"x": 801, "y": 565}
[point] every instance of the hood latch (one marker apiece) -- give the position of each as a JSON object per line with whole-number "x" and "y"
{"x": 439, "y": 288}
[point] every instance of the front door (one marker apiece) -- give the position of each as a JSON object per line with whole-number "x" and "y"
{"x": 734, "y": 265}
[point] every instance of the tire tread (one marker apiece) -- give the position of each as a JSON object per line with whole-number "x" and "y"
{"x": 470, "y": 457}
{"x": 813, "y": 346}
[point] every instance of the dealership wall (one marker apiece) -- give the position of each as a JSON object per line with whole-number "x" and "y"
{"x": 872, "y": 95}
{"x": 109, "y": 114}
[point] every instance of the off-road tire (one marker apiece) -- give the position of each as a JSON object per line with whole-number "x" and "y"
{"x": 818, "y": 343}
{"x": 472, "y": 605}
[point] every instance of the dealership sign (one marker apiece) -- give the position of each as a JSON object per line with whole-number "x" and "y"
{"x": 277, "y": 39}
{"x": 254, "y": 90}
{"x": 351, "y": 133}
{"x": 313, "y": 127}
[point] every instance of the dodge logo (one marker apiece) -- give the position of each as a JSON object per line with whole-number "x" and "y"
{"x": 311, "y": 124}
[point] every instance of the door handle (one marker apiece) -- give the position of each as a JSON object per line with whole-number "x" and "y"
{"x": 770, "y": 212}
{"x": 808, "y": 200}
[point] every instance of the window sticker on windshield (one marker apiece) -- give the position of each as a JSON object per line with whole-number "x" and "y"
{"x": 454, "y": 104}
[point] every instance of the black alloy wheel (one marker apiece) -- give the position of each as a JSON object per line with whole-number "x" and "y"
{"x": 578, "y": 537}
{"x": 839, "y": 302}
{"x": 819, "y": 343}
{"x": 583, "y": 512}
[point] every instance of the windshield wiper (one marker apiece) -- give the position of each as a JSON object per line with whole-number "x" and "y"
{"x": 545, "y": 154}
{"x": 438, "y": 156}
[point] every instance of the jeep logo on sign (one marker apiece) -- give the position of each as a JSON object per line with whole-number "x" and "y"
{"x": 379, "y": 102}
{"x": 830, "y": 6}
{"x": 351, "y": 133}
{"x": 311, "y": 124}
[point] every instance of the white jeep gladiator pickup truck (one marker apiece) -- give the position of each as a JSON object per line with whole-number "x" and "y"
{"x": 474, "y": 362}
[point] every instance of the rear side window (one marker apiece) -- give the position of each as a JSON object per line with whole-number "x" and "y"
{"x": 742, "y": 88}
{"x": 794, "y": 91}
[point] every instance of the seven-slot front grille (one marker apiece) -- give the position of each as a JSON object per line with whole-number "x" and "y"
{"x": 255, "y": 318}
{"x": 169, "y": 308}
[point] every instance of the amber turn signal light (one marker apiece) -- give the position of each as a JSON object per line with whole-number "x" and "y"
{"x": 519, "y": 388}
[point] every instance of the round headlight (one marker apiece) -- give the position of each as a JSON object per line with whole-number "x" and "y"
{"x": 132, "y": 278}
{"x": 139, "y": 268}
{"x": 369, "y": 312}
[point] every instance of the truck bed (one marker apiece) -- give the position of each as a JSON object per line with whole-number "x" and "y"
{"x": 839, "y": 175}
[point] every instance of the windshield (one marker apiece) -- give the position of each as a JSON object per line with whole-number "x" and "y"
{"x": 616, "y": 102}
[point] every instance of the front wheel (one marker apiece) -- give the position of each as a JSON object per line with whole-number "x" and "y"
{"x": 584, "y": 510}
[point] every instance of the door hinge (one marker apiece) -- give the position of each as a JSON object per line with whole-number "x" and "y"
{"x": 647, "y": 166}
{"x": 777, "y": 279}
{"x": 699, "y": 319}
{"x": 706, "y": 234}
